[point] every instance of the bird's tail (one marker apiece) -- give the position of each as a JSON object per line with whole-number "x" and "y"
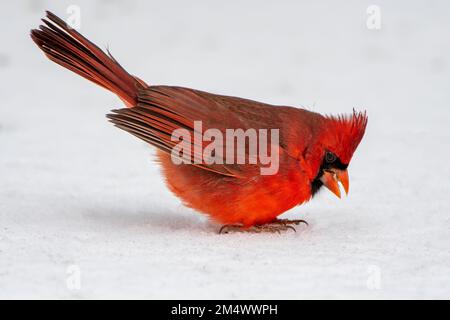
{"x": 70, "y": 49}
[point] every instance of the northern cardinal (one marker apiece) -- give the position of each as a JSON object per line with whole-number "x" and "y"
{"x": 314, "y": 150}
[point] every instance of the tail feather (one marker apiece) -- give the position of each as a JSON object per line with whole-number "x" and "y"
{"x": 70, "y": 49}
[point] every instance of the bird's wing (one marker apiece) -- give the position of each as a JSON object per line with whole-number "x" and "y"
{"x": 163, "y": 109}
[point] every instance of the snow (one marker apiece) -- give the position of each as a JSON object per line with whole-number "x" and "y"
{"x": 78, "y": 194}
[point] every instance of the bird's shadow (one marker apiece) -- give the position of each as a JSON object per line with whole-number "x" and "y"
{"x": 153, "y": 219}
{"x": 168, "y": 221}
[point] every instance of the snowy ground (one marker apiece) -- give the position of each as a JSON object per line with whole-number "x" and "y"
{"x": 79, "y": 197}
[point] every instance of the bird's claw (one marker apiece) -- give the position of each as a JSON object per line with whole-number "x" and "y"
{"x": 231, "y": 227}
{"x": 288, "y": 222}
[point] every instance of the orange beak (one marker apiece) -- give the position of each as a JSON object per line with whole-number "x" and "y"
{"x": 331, "y": 179}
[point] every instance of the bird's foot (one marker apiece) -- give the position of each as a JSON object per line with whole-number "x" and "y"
{"x": 289, "y": 222}
{"x": 277, "y": 226}
{"x": 273, "y": 227}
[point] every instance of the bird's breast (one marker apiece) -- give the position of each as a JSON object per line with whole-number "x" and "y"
{"x": 249, "y": 200}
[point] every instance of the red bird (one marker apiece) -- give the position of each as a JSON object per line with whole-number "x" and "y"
{"x": 313, "y": 150}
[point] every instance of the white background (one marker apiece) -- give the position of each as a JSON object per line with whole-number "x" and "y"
{"x": 74, "y": 190}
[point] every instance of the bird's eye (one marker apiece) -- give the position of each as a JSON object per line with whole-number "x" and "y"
{"x": 330, "y": 157}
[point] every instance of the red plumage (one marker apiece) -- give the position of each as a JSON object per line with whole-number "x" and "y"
{"x": 314, "y": 150}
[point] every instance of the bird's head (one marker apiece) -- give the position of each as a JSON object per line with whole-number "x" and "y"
{"x": 337, "y": 141}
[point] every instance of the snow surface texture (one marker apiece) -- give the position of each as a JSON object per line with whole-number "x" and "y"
{"x": 82, "y": 200}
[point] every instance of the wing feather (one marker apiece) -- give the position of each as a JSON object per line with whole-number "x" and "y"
{"x": 162, "y": 109}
